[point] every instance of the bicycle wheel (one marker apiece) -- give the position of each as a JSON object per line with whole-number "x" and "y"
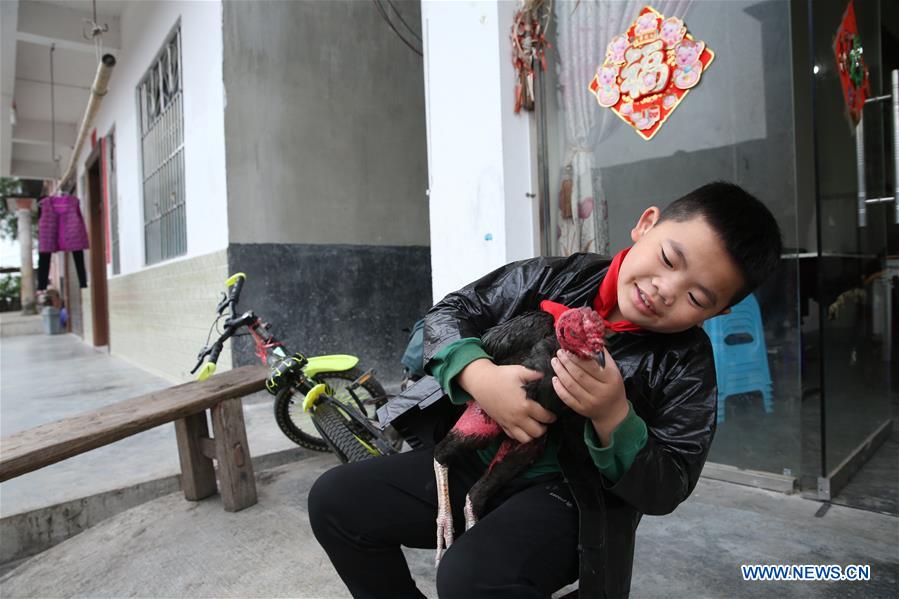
{"x": 297, "y": 425}
{"x": 349, "y": 446}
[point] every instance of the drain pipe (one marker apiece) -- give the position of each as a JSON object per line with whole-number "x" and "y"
{"x": 98, "y": 90}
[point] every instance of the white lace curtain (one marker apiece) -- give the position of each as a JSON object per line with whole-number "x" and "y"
{"x": 584, "y": 30}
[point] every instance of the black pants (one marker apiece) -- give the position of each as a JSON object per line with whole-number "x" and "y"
{"x": 525, "y": 545}
{"x": 43, "y": 269}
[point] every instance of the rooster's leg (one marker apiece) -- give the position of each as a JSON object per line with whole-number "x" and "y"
{"x": 444, "y": 513}
{"x": 470, "y": 517}
{"x": 473, "y": 430}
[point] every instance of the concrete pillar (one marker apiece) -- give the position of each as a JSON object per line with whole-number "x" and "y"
{"x": 482, "y": 174}
{"x": 23, "y": 208}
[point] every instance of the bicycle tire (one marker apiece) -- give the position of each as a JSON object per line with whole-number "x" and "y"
{"x": 298, "y": 427}
{"x": 335, "y": 429}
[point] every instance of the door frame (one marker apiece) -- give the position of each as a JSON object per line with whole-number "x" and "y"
{"x": 97, "y": 236}
{"x": 825, "y": 474}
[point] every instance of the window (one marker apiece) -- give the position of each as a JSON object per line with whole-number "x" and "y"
{"x": 159, "y": 100}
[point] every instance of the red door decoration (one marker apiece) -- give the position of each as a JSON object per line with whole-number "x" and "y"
{"x": 529, "y": 47}
{"x": 847, "y": 49}
{"x": 648, "y": 70}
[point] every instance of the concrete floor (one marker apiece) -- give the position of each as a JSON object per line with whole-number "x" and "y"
{"x": 170, "y": 547}
{"x": 44, "y": 378}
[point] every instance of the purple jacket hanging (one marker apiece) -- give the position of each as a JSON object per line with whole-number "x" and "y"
{"x": 61, "y": 227}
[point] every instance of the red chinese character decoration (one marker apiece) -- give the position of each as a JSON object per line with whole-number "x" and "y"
{"x": 648, "y": 70}
{"x": 847, "y": 49}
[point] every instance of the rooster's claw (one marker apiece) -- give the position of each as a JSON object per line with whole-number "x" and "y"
{"x": 444, "y": 512}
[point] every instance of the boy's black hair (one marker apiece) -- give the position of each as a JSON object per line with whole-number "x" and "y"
{"x": 748, "y": 229}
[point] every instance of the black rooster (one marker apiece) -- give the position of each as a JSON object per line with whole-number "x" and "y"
{"x": 531, "y": 340}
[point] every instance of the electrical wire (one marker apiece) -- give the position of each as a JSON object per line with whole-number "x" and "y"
{"x": 96, "y": 32}
{"x": 214, "y": 326}
{"x": 384, "y": 15}
{"x": 383, "y": 12}
{"x": 400, "y": 16}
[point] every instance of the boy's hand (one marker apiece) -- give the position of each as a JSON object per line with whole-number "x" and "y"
{"x": 591, "y": 391}
{"x": 499, "y": 392}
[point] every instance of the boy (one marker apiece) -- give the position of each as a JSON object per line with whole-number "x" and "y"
{"x": 649, "y": 416}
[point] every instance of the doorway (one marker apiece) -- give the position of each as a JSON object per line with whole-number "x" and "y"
{"x": 851, "y": 395}
{"x": 97, "y": 235}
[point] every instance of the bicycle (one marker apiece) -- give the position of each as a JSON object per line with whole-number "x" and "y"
{"x": 336, "y": 395}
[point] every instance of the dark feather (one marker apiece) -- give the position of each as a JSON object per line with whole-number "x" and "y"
{"x": 512, "y": 341}
{"x": 529, "y": 340}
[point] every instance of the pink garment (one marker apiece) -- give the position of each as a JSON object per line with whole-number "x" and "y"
{"x": 61, "y": 227}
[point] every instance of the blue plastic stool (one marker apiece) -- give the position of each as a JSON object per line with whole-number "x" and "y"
{"x": 741, "y": 357}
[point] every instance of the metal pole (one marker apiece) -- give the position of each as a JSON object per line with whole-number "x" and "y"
{"x": 895, "y": 75}
{"x": 98, "y": 90}
{"x": 860, "y": 170}
{"x": 53, "y": 155}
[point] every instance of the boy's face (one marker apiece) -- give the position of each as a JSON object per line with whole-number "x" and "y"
{"x": 682, "y": 268}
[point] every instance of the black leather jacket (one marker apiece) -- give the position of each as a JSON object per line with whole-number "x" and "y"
{"x": 669, "y": 379}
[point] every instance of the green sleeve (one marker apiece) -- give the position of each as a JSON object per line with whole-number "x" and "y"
{"x": 450, "y": 361}
{"x": 627, "y": 440}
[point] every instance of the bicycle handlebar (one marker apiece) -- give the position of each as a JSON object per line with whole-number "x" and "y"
{"x": 232, "y": 324}
{"x": 238, "y": 286}
{"x": 235, "y": 283}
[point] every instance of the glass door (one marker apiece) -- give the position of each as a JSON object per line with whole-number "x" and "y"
{"x": 852, "y": 332}
{"x": 599, "y": 173}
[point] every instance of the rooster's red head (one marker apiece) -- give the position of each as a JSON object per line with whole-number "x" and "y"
{"x": 582, "y": 332}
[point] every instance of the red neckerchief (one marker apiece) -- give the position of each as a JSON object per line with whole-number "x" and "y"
{"x": 606, "y": 298}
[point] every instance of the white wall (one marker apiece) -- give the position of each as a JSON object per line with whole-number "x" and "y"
{"x": 145, "y": 26}
{"x": 480, "y": 161}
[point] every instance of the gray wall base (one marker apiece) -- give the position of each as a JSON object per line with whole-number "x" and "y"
{"x": 752, "y": 478}
{"x": 830, "y": 486}
{"x": 335, "y": 299}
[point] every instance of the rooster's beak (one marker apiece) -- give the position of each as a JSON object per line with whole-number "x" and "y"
{"x": 601, "y": 358}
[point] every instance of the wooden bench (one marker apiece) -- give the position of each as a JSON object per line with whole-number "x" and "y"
{"x": 186, "y": 406}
